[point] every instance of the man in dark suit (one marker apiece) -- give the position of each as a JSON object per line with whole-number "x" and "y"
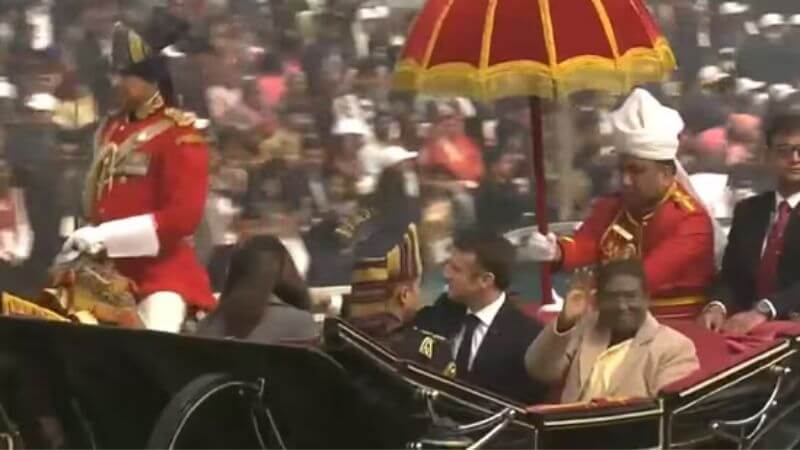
{"x": 760, "y": 277}
{"x": 490, "y": 335}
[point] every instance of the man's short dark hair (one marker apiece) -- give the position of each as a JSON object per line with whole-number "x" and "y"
{"x": 493, "y": 252}
{"x": 632, "y": 267}
{"x": 784, "y": 117}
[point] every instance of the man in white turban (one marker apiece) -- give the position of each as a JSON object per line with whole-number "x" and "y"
{"x": 655, "y": 217}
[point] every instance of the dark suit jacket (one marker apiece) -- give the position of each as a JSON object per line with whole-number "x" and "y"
{"x": 499, "y": 366}
{"x": 736, "y": 284}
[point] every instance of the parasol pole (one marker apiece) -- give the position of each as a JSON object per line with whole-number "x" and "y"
{"x": 541, "y": 192}
{"x": 451, "y": 49}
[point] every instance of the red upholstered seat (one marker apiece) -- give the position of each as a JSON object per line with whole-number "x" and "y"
{"x": 718, "y": 352}
{"x": 715, "y": 351}
{"x": 712, "y": 348}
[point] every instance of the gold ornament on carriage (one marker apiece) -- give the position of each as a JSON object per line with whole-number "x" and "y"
{"x": 85, "y": 289}
{"x": 88, "y": 281}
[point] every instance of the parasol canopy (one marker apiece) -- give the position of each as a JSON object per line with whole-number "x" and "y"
{"x": 488, "y": 49}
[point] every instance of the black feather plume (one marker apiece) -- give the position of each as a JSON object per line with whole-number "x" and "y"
{"x": 164, "y": 29}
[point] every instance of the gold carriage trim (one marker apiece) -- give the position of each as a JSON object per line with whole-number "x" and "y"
{"x": 689, "y": 300}
{"x": 15, "y": 306}
{"x": 426, "y": 347}
{"x": 85, "y": 318}
{"x": 450, "y": 370}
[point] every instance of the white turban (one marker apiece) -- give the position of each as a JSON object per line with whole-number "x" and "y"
{"x": 644, "y": 128}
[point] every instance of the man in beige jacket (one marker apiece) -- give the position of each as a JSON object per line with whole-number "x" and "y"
{"x": 619, "y": 350}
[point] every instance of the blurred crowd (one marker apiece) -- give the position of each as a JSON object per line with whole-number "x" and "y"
{"x": 295, "y": 97}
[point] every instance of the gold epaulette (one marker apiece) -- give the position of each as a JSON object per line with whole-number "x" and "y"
{"x": 182, "y": 118}
{"x": 565, "y": 240}
{"x": 684, "y": 200}
{"x": 189, "y": 139}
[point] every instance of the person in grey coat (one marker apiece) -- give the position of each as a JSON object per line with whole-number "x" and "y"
{"x": 265, "y": 299}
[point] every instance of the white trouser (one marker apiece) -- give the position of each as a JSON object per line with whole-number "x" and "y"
{"x": 163, "y": 311}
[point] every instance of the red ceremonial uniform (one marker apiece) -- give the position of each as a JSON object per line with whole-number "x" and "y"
{"x": 155, "y": 165}
{"x": 675, "y": 243}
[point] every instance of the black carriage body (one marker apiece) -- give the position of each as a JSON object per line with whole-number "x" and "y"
{"x": 451, "y": 403}
{"x": 115, "y": 388}
{"x": 709, "y": 413}
{"x": 752, "y": 404}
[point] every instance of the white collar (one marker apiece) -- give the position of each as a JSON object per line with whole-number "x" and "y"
{"x": 793, "y": 200}
{"x": 487, "y": 314}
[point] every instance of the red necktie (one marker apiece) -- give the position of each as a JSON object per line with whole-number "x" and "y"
{"x": 768, "y": 271}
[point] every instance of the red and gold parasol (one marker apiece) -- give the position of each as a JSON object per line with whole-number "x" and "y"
{"x": 489, "y": 49}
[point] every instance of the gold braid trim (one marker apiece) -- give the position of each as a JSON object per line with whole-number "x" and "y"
{"x": 149, "y": 107}
{"x": 190, "y": 139}
{"x": 180, "y": 117}
{"x": 684, "y": 200}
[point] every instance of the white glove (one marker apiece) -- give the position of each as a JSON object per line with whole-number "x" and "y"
{"x": 540, "y": 248}
{"x": 10, "y": 257}
{"x": 88, "y": 239}
{"x": 131, "y": 237}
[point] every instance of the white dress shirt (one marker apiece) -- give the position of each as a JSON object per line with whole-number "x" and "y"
{"x": 485, "y": 316}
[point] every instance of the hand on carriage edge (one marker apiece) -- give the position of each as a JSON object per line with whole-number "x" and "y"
{"x": 759, "y": 280}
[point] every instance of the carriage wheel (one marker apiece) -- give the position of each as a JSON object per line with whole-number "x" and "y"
{"x": 10, "y": 437}
{"x": 216, "y": 411}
